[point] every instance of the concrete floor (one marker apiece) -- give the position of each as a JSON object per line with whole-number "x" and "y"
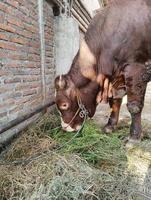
{"x": 103, "y": 110}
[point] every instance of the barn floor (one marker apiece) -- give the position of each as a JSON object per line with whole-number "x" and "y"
{"x": 103, "y": 111}
{"x": 139, "y": 157}
{"x": 92, "y": 166}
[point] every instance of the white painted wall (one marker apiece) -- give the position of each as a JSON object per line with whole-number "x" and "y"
{"x": 91, "y": 5}
{"x": 67, "y": 38}
{"x": 66, "y": 43}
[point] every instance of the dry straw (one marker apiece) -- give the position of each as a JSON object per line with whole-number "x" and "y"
{"x": 93, "y": 166}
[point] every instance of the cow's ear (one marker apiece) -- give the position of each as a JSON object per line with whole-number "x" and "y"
{"x": 60, "y": 82}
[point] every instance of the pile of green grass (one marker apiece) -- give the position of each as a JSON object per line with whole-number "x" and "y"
{"x": 92, "y": 144}
{"x": 91, "y": 166}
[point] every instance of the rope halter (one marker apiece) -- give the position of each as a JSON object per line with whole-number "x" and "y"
{"x": 81, "y": 111}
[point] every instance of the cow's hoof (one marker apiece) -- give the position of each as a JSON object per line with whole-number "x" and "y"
{"x": 131, "y": 142}
{"x": 108, "y": 129}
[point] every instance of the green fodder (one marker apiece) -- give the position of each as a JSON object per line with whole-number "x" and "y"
{"x": 92, "y": 145}
{"x": 92, "y": 166}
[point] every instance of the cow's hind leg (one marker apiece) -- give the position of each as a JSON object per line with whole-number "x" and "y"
{"x": 135, "y": 87}
{"x": 115, "y": 105}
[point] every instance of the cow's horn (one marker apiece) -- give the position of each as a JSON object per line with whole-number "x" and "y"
{"x": 60, "y": 82}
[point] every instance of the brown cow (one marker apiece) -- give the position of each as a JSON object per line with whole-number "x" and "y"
{"x": 112, "y": 57}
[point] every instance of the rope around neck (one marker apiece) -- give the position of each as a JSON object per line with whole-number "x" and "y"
{"x": 83, "y": 112}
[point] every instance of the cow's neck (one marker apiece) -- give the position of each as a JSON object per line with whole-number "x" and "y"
{"x": 77, "y": 77}
{"x": 88, "y": 97}
{"x": 82, "y": 70}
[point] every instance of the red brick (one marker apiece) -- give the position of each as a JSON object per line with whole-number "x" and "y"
{"x": 26, "y": 72}
{"x": 35, "y": 103}
{"x": 8, "y": 45}
{"x": 34, "y": 57}
{"x": 20, "y": 64}
{"x": 34, "y": 50}
{"x": 12, "y": 80}
{"x": 24, "y": 10}
{"x": 16, "y": 109}
{"x": 15, "y": 21}
{"x": 6, "y": 104}
{"x": 35, "y": 85}
{"x": 30, "y": 28}
{"x": 21, "y": 1}
{"x": 12, "y": 3}
{"x": 4, "y": 36}
{"x": 24, "y": 18}
{"x": 30, "y": 85}
{"x": 32, "y": 65}
{"x": 2, "y": 17}
{"x": 31, "y": 79}
{"x": 10, "y": 10}
{"x": 13, "y": 56}
{"x": 4, "y": 72}
{"x": 29, "y": 92}
{"x": 23, "y": 100}
{"x": 19, "y": 40}
{"x": 15, "y": 95}
{"x": 4, "y": 90}
{"x": 34, "y": 44}
{"x": 7, "y": 28}
{"x": 13, "y": 64}
{"x": 20, "y": 86}
{"x": 3, "y": 6}
{"x": 25, "y": 33}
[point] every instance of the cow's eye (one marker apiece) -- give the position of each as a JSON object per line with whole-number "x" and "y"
{"x": 64, "y": 106}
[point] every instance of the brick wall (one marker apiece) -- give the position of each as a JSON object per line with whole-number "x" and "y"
{"x": 20, "y": 57}
{"x": 49, "y": 49}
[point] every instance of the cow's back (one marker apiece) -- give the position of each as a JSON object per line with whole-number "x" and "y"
{"x": 122, "y": 32}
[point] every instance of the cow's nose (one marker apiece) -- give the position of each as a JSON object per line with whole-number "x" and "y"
{"x": 68, "y": 129}
{"x": 78, "y": 127}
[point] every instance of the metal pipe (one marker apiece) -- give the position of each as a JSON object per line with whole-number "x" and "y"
{"x": 81, "y": 13}
{"x": 17, "y": 121}
{"x": 42, "y": 47}
{"x": 79, "y": 18}
{"x": 83, "y": 6}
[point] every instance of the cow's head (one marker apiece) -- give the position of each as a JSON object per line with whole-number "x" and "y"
{"x": 68, "y": 98}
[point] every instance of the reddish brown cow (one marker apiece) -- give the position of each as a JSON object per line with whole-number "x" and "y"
{"x": 112, "y": 57}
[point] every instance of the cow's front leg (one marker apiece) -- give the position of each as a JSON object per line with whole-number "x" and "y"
{"x": 135, "y": 87}
{"x": 115, "y": 105}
